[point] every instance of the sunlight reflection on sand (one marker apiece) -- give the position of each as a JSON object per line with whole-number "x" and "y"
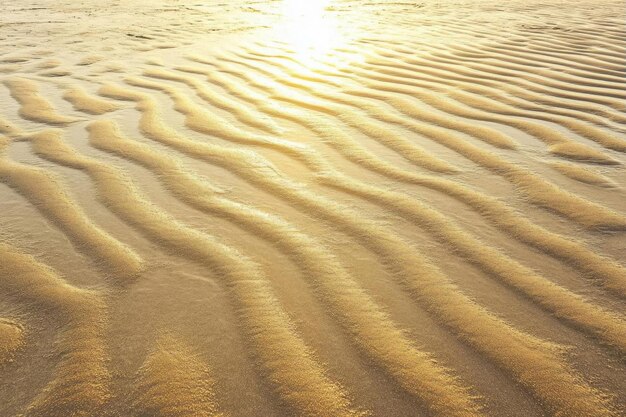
{"x": 310, "y": 31}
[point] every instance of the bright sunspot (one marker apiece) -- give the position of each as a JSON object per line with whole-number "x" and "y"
{"x": 309, "y": 30}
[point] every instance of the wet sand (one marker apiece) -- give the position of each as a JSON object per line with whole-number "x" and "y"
{"x": 333, "y": 208}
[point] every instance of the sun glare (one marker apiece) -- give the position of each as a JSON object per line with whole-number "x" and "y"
{"x": 309, "y": 30}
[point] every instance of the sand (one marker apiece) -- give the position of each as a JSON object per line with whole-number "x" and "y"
{"x": 312, "y": 208}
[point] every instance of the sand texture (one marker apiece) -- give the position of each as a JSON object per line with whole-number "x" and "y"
{"x": 331, "y": 208}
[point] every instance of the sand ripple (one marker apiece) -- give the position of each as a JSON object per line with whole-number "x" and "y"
{"x": 415, "y": 209}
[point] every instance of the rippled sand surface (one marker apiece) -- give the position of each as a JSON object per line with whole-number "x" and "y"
{"x": 312, "y": 208}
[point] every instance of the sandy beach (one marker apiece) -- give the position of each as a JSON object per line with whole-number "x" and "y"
{"x": 312, "y": 208}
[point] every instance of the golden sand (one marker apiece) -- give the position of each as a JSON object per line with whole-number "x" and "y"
{"x": 312, "y": 208}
